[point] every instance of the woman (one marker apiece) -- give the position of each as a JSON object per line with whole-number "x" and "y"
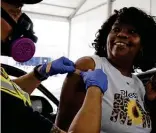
{"x": 126, "y": 41}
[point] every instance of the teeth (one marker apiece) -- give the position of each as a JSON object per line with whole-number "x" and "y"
{"x": 120, "y": 43}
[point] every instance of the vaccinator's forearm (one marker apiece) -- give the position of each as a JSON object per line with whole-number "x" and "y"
{"x": 88, "y": 119}
{"x": 27, "y": 82}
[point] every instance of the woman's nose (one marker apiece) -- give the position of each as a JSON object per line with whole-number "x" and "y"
{"x": 123, "y": 34}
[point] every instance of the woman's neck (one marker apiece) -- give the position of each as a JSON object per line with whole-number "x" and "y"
{"x": 124, "y": 67}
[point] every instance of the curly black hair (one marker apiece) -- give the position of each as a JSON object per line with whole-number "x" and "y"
{"x": 146, "y": 28}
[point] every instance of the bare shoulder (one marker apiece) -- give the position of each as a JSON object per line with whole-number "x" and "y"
{"x": 85, "y": 63}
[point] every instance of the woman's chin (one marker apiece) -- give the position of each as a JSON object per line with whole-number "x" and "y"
{"x": 120, "y": 54}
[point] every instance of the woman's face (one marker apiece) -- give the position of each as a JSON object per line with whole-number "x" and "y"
{"x": 123, "y": 42}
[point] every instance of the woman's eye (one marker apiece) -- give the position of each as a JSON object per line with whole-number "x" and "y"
{"x": 133, "y": 31}
{"x": 116, "y": 29}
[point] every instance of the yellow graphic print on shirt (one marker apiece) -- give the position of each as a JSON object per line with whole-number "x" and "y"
{"x": 127, "y": 110}
{"x": 134, "y": 112}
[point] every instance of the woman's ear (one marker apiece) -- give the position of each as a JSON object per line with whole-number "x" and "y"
{"x": 140, "y": 53}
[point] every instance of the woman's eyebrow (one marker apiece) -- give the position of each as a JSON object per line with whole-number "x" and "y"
{"x": 116, "y": 24}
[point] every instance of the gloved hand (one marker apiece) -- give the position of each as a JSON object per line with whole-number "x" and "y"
{"x": 95, "y": 78}
{"x": 58, "y": 66}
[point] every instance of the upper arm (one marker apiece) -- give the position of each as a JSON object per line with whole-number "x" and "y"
{"x": 72, "y": 94}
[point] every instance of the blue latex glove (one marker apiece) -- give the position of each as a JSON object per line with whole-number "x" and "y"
{"x": 59, "y": 66}
{"x": 95, "y": 78}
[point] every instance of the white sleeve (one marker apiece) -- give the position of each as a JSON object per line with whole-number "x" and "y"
{"x": 141, "y": 88}
{"x": 97, "y": 61}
